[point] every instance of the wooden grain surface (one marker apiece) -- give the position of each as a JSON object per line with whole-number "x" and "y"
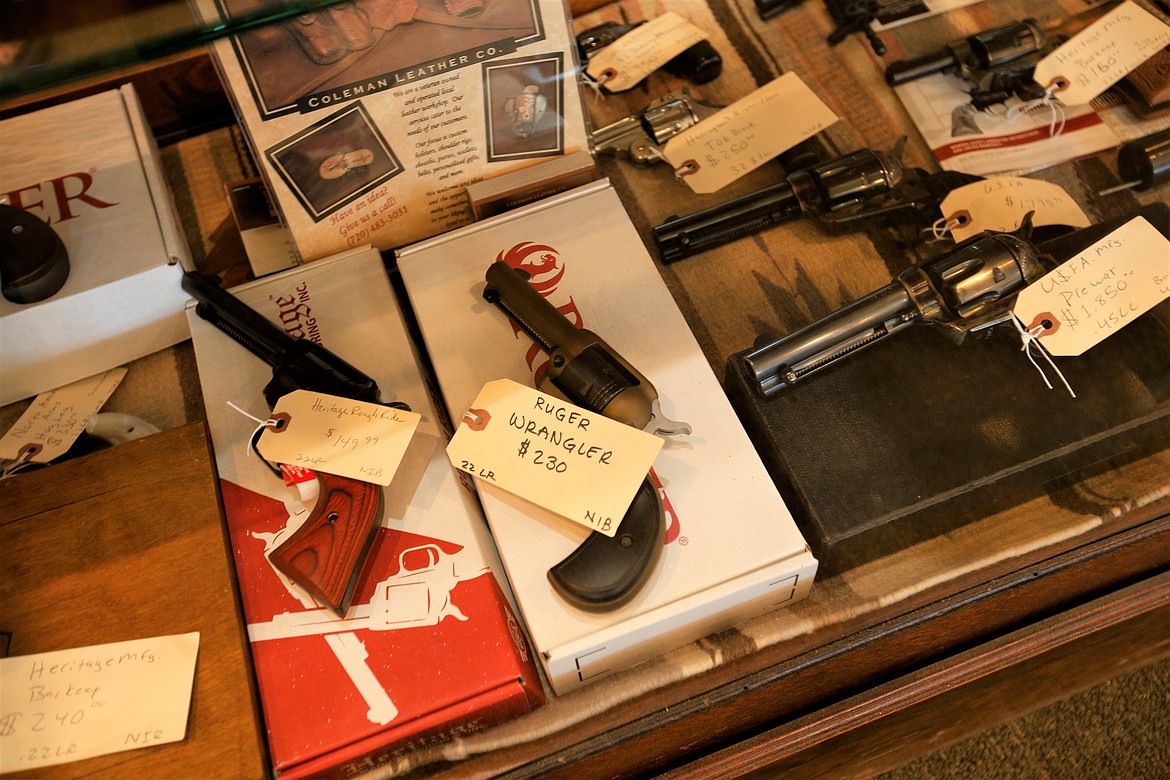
{"x": 128, "y": 543}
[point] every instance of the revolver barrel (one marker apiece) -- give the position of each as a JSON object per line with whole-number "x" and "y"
{"x": 963, "y": 290}
{"x": 975, "y": 54}
{"x": 818, "y": 190}
{"x": 296, "y": 363}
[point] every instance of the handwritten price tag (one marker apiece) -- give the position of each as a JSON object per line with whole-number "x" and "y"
{"x": 580, "y": 465}
{"x": 748, "y": 133}
{"x": 1000, "y": 203}
{"x": 91, "y": 701}
{"x": 643, "y": 50}
{"x": 1086, "y": 299}
{"x": 340, "y": 436}
{"x": 1102, "y": 54}
{"x": 55, "y": 419}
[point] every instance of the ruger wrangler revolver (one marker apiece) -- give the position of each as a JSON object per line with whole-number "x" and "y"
{"x": 325, "y": 555}
{"x": 857, "y": 191}
{"x": 602, "y": 572}
{"x": 964, "y": 290}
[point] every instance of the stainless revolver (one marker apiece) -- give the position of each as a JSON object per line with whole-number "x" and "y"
{"x": 641, "y": 136}
{"x": 964, "y": 290}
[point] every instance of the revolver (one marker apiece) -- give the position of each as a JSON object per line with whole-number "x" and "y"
{"x": 641, "y": 136}
{"x": 998, "y": 63}
{"x": 326, "y": 554}
{"x": 603, "y": 572}
{"x": 965, "y": 290}
{"x": 698, "y": 63}
{"x": 856, "y": 191}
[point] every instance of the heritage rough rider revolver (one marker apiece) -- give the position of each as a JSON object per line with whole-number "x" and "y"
{"x": 998, "y": 63}
{"x": 859, "y": 191}
{"x": 326, "y": 554}
{"x": 962, "y": 291}
{"x": 603, "y": 572}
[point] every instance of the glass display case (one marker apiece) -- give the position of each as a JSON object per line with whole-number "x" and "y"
{"x": 925, "y": 633}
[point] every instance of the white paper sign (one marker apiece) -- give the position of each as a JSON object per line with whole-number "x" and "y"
{"x": 91, "y": 701}
{"x": 578, "y": 464}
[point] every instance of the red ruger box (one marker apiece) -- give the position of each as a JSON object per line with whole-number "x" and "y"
{"x": 430, "y": 647}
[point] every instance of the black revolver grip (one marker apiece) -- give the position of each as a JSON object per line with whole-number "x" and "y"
{"x": 604, "y": 572}
{"x": 34, "y": 263}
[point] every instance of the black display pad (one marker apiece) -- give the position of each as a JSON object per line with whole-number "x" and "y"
{"x": 917, "y": 435}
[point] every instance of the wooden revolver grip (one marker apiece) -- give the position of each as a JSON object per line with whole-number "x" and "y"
{"x": 325, "y": 555}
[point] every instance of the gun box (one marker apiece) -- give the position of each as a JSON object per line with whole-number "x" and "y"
{"x": 731, "y": 551}
{"x": 90, "y": 169}
{"x": 913, "y": 436}
{"x": 430, "y": 647}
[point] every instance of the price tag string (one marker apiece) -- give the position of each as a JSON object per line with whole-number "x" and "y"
{"x": 1056, "y": 124}
{"x": 1030, "y": 336}
{"x": 595, "y": 86}
{"x": 942, "y": 227}
{"x": 255, "y": 437}
{"x": 13, "y": 466}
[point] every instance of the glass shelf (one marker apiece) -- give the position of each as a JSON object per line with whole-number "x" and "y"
{"x": 50, "y": 42}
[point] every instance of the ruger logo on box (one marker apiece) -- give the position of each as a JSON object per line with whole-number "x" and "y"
{"x": 53, "y": 199}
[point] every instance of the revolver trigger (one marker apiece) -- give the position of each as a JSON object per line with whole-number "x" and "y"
{"x": 664, "y": 426}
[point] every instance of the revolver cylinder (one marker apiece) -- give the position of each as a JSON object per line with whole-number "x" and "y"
{"x": 974, "y": 54}
{"x": 819, "y": 190}
{"x": 963, "y": 290}
{"x": 582, "y": 367}
{"x": 641, "y": 136}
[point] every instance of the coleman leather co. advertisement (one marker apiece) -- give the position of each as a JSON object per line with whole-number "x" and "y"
{"x": 370, "y": 118}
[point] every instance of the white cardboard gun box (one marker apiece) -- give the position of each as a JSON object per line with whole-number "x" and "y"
{"x": 90, "y": 169}
{"x": 430, "y": 647}
{"x": 732, "y": 550}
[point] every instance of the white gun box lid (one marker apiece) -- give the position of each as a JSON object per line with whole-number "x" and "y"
{"x": 90, "y": 169}
{"x": 732, "y": 550}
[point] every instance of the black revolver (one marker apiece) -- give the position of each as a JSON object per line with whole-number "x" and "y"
{"x": 603, "y": 572}
{"x": 998, "y": 63}
{"x": 857, "y": 191}
{"x": 963, "y": 291}
{"x": 697, "y": 64}
{"x": 326, "y": 554}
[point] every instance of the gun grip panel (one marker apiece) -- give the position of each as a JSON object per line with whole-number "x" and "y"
{"x": 34, "y": 263}
{"x": 325, "y": 555}
{"x": 605, "y": 571}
